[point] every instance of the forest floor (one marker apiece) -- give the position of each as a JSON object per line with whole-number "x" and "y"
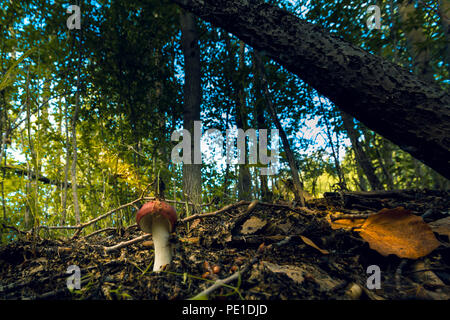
{"x": 259, "y": 251}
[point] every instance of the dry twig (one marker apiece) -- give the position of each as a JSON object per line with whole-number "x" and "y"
{"x": 126, "y": 243}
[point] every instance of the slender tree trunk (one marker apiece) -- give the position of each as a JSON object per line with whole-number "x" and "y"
{"x": 444, "y": 15}
{"x": 73, "y": 169}
{"x": 31, "y": 205}
{"x": 361, "y": 157}
{"x": 388, "y": 99}
{"x": 361, "y": 178}
{"x": 385, "y": 156}
{"x": 227, "y": 166}
{"x": 192, "y": 101}
{"x": 415, "y": 38}
{"x": 334, "y": 152}
{"x": 66, "y": 166}
{"x": 261, "y": 123}
{"x": 245, "y": 178}
{"x": 228, "y": 93}
{"x": 297, "y": 186}
{"x": 3, "y": 146}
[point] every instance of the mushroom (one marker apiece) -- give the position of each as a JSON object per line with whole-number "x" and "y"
{"x": 158, "y": 218}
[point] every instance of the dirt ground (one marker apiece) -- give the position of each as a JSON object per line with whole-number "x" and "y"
{"x": 282, "y": 252}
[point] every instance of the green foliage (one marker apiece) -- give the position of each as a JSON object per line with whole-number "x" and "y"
{"x": 131, "y": 98}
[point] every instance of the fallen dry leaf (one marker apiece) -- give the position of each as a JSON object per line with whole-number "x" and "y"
{"x": 298, "y": 274}
{"x": 194, "y": 224}
{"x": 64, "y": 250}
{"x": 191, "y": 240}
{"x": 293, "y": 272}
{"x": 424, "y": 276}
{"x": 441, "y": 226}
{"x": 397, "y": 231}
{"x": 310, "y": 243}
{"x": 148, "y": 243}
{"x": 36, "y": 269}
{"x": 253, "y": 225}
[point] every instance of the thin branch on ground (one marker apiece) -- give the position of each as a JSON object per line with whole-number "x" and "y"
{"x": 243, "y": 203}
{"x": 99, "y": 231}
{"x": 126, "y": 243}
{"x": 352, "y": 216}
{"x": 212, "y": 214}
{"x": 80, "y": 227}
{"x": 14, "y": 229}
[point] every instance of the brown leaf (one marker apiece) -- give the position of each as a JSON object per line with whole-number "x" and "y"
{"x": 310, "y": 243}
{"x": 397, "y": 231}
{"x": 36, "y": 269}
{"x": 64, "y": 250}
{"x": 194, "y": 224}
{"x": 191, "y": 240}
{"x": 148, "y": 243}
{"x": 253, "y": 225}
{"x": 299, "y": 273}
{"x": 293, "y": 272}
{"x": 441, "y": 226}
{"x": 424, "y": 276}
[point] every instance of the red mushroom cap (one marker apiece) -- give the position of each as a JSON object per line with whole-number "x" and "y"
{"x": 153, "y": 208}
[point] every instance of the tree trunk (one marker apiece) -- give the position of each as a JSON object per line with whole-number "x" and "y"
{"x": 226, "y": 194}
{"x": 31, "y": 205}
{"x": 73, "y": 169}
{"x": 361, "y": 181}
{"x": 386, "y": 162}
{"x": 334, "y": 149}
{"x": 361, "y": 157}
{"x": 66, "y": 166}
{"x": 245, "y": 178}
{"x": 266, "y": 195}
{"x": 297, "y": 187}
{"x": 3, "y": 147}
{"x": 415, "y": 38}
{"x": 444, "y": 14}
{"x": 192, "y": 101}
{"x": 385, "y": 97}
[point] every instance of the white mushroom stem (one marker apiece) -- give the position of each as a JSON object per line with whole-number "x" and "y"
{"x": 163, "y": 248}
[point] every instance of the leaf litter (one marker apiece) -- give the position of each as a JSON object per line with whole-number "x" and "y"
{"x": 281, "y": 251}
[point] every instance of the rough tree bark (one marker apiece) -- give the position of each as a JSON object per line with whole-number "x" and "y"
{"x": 192, "y": 100}
{"x": 388, "y": 99}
